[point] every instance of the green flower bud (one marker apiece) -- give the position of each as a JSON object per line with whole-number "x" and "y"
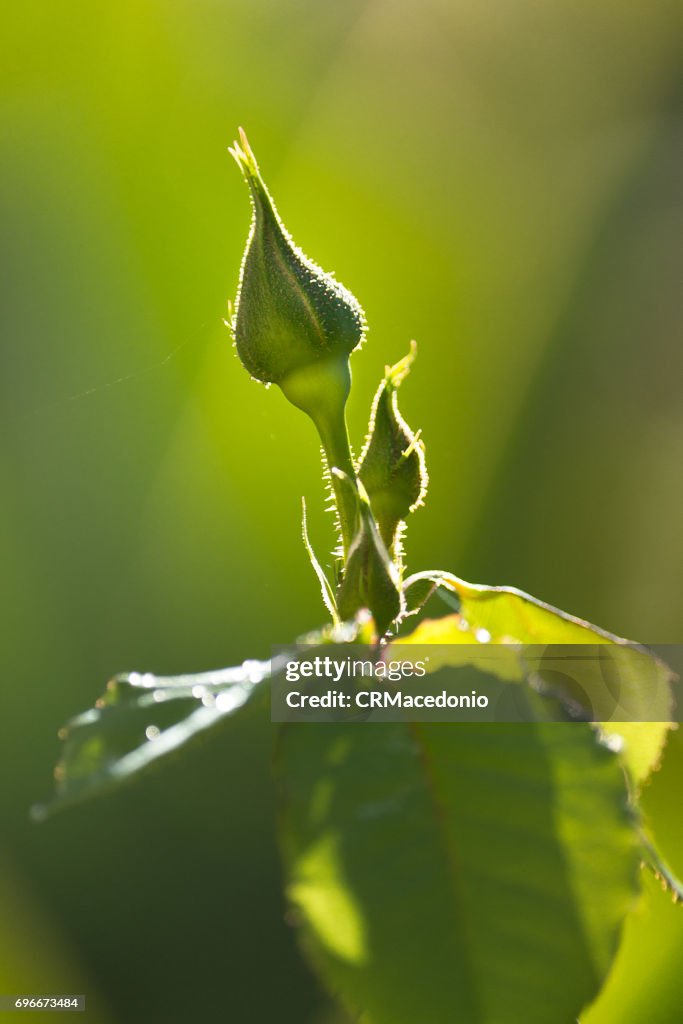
{"x": 293, "y": 324}
{"x": 392, "y": 464}
{"x": 370, "y": 579}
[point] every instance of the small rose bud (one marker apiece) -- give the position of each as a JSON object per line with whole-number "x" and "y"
{"x": 370, "y": 579}
{"x": 293, "y": 324}
{"x": 392, "y": 464}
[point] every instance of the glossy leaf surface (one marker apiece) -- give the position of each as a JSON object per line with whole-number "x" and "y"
{"x": 506, "y": 615}
{"x": 447, "y": 872}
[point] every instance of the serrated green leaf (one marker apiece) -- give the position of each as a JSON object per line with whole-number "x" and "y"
{"x": 141, "y": 718}
{"x": 506, "y": 615}
{"x": 451, "y": 873}
{"x": 657, "y": 863}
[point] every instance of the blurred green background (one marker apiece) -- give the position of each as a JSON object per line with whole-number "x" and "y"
{"x": 501, "y": 182}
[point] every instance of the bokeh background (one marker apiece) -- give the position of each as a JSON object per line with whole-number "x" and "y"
{"x": 501, "y": 182}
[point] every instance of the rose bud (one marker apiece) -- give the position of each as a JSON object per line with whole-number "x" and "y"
{"x": 293, "y": 324}
{"x": 392, "y": 464}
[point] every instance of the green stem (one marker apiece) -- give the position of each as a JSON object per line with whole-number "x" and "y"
{"x": 335, "y": 441}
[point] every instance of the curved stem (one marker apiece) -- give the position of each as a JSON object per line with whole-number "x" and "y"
{"x": 335, "y": 441}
